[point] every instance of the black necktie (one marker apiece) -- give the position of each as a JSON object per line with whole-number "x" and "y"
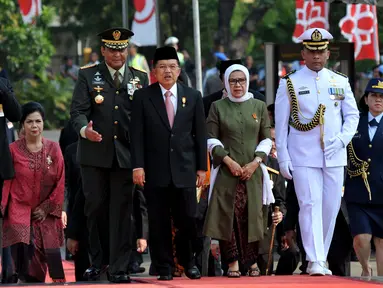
{"x": 117, "y": 82}
{"x": 373, "y": 123}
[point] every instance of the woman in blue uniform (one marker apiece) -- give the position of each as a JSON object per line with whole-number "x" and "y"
{"x": 364, "y": 182}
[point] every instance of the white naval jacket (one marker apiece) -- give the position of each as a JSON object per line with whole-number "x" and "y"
{"x": 314, "y": 88}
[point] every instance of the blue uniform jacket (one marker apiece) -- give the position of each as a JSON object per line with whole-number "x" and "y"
{"x": 370, "y": 151}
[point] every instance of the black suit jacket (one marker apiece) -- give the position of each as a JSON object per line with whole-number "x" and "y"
{"x": 371, "y": 152}
{"x": 12, "y": 112}
{"x": 72, "y": 176}
{"x": 169, "y": 155}
{"x": 209, "y": 99}
{"x": 111, "y": 118}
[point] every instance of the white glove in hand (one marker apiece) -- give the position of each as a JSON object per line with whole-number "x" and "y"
{"x": 285, "y": 167}
{"x": 335, "y": 144}
{"x": 272, "y": 184}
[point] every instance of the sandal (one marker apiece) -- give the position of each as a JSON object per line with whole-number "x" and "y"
{"x": 254, "y": 272}
{"x": 233, "y": 274}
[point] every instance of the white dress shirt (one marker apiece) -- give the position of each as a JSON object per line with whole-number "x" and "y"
{"x": 372, "y": 130}
{"x": 173, "y": 98}
{"x": 112, "y": 72}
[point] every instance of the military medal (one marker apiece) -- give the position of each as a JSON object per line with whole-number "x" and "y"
{"x": 183, "y": 101}
{"x": 99, "y": 98}
{"x": 132, "y": 86}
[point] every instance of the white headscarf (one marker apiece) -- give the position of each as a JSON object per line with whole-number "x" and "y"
{"x": 231, "y": 69}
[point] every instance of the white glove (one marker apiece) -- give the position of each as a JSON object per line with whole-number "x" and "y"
{"x": 285, "y": 167}
{"x": 335, "y": 144}
{"x": 272, "y": 184}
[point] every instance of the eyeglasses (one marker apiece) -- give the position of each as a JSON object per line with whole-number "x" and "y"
{"x": 240, "y": 81}
{"x": 165, "y": 67}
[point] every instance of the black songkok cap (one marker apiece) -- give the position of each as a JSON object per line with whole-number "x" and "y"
{"x": 223, "y": 65}
{"x": 165, "y": 53}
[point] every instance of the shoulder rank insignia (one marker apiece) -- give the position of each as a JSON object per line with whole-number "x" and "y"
{"x": 339, "y": 73}
{"x": 288, "y": 74}
{"x": 143, "y": 71}
{"x": 88, "y": 66}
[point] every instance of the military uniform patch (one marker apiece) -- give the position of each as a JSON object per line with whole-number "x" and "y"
{"x": 339, "y": 73}
{"x": 88, "y": 66}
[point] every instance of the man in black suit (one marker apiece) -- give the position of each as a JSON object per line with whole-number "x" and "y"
{"x": 100, "y": 113}
{"x": 209, "y": 99}
{"x": 169, "y": 154}
{"x": 9, "y": 109}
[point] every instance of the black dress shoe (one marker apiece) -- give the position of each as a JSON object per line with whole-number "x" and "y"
{"x": 134, "y": 268}
{"x": 193, "y": 273}
{"x": 119, "y": 278}
{"x": 165, "y": 277}
{"x": 93, "y": 273}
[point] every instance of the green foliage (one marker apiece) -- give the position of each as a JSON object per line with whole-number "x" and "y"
{"x": 27, "y": 48}
{"x": 54, "y": 94}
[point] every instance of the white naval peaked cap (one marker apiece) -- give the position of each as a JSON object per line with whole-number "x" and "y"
{"x": 315, "y": 38}
{"x": 171, "y": 41}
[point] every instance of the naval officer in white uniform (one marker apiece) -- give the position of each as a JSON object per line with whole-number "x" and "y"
{"x": 316, "y": 116}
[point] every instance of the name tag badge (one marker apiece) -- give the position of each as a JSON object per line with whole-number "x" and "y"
{"x": 304, "y": 92}
{"x": 1, "y": 110}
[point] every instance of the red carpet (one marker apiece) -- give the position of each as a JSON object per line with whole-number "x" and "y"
{"x": 223, "y": 282}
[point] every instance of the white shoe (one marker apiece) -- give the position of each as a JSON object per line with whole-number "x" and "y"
{"x": 315, "y": 269}
{"x": 326, "y": 270}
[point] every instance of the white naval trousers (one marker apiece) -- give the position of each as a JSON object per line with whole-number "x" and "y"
{"x": 319, "y": 193}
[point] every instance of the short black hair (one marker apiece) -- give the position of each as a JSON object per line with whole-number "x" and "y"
{"x": 29, "y": 108}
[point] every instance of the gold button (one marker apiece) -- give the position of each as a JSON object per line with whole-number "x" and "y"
{"x": 369, "y": 146}
{"x": 336, "y": 104}
{"x": 115, "y": 137}
{"x": 317, "y": 78}
{"x": 116, "y": 107}
{"x": 318, "y": 92}
{"x": 369, "y": 160}
{"x": 117, "y": 92}
{"x": 115, "y": 122}
{"x": 368, "y": 173}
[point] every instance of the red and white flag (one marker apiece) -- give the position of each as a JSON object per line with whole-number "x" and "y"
{"x": 30, "y": 9}
{"x": 310, "y": 14}
{"x": 144, "y": 23}
{"x": 360, "y": 26}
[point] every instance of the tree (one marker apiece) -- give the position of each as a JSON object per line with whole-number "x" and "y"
{"x": 25, "y": 49}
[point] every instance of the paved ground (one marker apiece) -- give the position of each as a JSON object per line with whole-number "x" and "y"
{"x": 355, "y": 266}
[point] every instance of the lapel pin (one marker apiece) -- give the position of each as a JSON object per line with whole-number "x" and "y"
{"x": 183, "y": 101}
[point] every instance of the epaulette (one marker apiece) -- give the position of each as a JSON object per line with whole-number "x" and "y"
{"x": 143, "y": 71}
{"x": 272, "y": 170}
{"x": 88, "y": 66}
{"x": 288, "y": 74}
{"x": 341, "y": 74}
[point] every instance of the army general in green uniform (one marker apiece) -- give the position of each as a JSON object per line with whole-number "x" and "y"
{"x": 100, "y": 112}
